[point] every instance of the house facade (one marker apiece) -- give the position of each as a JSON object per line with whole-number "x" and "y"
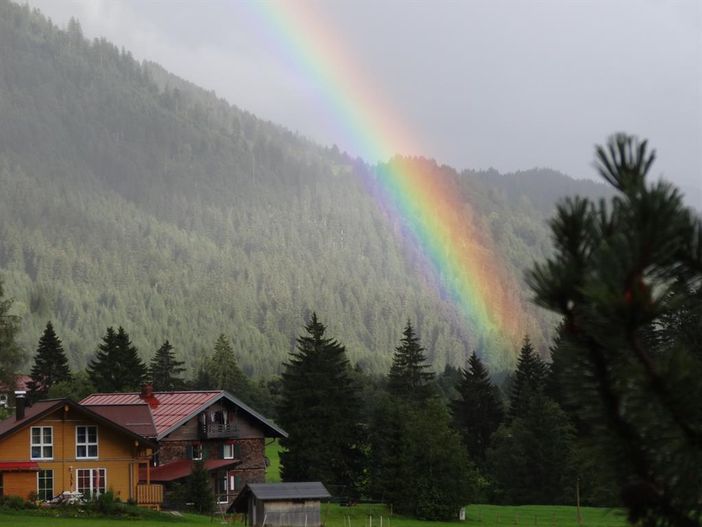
{"x": 57, "y": 446}
{"x": 213, "y": 427}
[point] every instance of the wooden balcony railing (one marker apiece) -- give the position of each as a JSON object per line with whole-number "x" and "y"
{"x": 149, "y": 495}
{"x": 218, "y": 430}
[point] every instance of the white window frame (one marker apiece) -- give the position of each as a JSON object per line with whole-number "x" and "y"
{"x": 91, "y": 478}
{"x": 41, "y": 445}
{"x": 87, "y": 444}
{"x": 230, "y": 448}
{"x": 198, "y": 447}
{"x": 52, "y": 485}
{"x": 224, "y": 479}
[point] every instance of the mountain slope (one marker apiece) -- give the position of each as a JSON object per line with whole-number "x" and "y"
{"x": 131, "y": 197}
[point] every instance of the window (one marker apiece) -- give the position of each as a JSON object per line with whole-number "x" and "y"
{"x": 197, "y": 451}
{"x": 86, "y": 442}
{"x": 42, "y": 442}
{"x": 221, "y": 488}
{"x": 235, "y": 483}
{"x": 45, "y": 485}
{"x": 228, "y": 451}
{"x": 91, "y": 481}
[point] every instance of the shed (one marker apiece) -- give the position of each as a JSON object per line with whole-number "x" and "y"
{"x": 282, "y": 504}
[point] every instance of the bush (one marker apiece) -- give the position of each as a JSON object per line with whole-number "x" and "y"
{"x": 15, "y": 503}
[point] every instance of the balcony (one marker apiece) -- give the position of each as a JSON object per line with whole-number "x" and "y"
{"x": 219, "y": 430}
{"x": 150, "y": 496}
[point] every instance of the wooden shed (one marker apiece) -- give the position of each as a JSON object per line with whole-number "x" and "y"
{"x": 282, "y": 504}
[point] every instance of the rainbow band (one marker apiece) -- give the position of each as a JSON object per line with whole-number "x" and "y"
{"x": 440, "y": 223}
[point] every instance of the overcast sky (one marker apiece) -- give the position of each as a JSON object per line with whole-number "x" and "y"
{"x": 504, "y": 84}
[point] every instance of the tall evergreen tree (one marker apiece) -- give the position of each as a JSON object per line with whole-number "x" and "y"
{"x": 409, "y": 376}
{"x": 531, "y": 459}
{"x": 320, "y": 409}
{"x": 621, "y": 272}
{"x": 223, "y": 369}
{"x": 10, "y": 352}
{"x": 116, "y": 366}
{"x": 50, "y": 364}
{"x": 477, "y": 411}
{"x": 529, "y": 379}
{"x": 165, "y": 370}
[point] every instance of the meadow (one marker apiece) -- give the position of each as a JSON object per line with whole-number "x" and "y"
{"x": 360, "y": 516}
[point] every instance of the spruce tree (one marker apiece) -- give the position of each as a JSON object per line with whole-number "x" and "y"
{"x": 529, "y": 379}
{"x": 531, "y": 459}
{"x": 199, "y": 489}
{"x": 625, "y": 275}
{"x": 477, "y": 411}
{"x": 223, "y": 369}
{"x": 10, "y": 352}
{"x": 116, "y": 366}
{"x": 319, "y": 407}
{"x": 50, "y": 364}
{"x": 165, "y": 370}
{"x": 409, "y": 376}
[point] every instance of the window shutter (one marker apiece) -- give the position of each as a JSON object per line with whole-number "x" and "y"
{"x": 189, "y": 451}
{"x": 237, "y": 451}
{"x": 222, "y": 449}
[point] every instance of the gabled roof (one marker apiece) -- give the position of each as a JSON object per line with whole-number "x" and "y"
{"x": 172, "y": 409}
{"x": 302, "y": 490}
{"x": 41, "y": 409}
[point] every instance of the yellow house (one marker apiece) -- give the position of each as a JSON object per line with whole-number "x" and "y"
{"x": 58, "y": 445}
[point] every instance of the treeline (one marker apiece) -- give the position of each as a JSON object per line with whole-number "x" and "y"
{"x": 132, "y": 197}
{"x": 426, "y": 443}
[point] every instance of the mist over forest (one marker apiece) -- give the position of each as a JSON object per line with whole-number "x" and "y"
{"x": 132, "y": 197}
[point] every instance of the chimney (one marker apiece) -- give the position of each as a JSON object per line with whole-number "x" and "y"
{"x": 147, "y": 391}
{"x": 20, "y": 403}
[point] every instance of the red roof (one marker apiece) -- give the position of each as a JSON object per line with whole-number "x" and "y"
{"x": 21, "y": 382}
{"x": 182, "y": 469}
{"x": 135, "y": 417}
{"x": 19, "y": 466}
{"x": 171, "y": 407}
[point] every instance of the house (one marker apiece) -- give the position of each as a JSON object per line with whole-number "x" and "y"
{"x": 6, "y": 392}
{"x": 209, "y": 426}
{"x": 58, "y": 445}
{"x": 282, "y": 504}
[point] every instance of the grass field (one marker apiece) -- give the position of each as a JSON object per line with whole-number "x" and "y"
{"x": 359, "y": 515}
{"x": 273, "y": 470}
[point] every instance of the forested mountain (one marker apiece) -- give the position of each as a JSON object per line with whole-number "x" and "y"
{"x": 131, "y": 197}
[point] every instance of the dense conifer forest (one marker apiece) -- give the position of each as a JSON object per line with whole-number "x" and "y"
{"x": 130, "y": 197}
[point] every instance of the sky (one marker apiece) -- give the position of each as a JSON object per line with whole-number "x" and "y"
{"x": 507, "y": 84}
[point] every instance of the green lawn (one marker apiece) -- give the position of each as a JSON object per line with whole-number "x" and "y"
{"x": 273, "y": 470}
{"x": 359, "y": 515}
{"x": 30, "y": 519}
{"x": 477, "y": 516}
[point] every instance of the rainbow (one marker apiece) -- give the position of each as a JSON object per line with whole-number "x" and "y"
{"x": 443, "y": 225}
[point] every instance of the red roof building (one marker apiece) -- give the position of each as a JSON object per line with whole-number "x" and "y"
{"x": 212, "y": 426}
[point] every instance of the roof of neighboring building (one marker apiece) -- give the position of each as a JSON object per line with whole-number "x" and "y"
{"x": 136, "y": 417}
{"x": 183, "y": 468}
{"x": 43, "y": 408}
{"x": 21, "y": 382}
{"x": 172, "y": 409}
{"x": 301, "y": 490}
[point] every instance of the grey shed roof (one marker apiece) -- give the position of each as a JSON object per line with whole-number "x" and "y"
{"x": 305, "y": 490}
{"x": 291, "y": 491}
